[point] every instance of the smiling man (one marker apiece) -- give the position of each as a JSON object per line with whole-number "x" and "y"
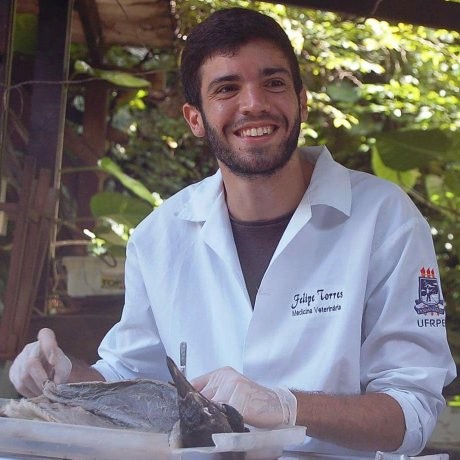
{"x": 255, "y": 109}
{"x": 299, "y": 286}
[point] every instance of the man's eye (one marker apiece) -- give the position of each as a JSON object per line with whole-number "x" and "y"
{"x": 226, "y": 89}
{"x": 276, "y": 83}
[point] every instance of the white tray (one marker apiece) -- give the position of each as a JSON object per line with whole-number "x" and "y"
{"x": 57, "y": 440}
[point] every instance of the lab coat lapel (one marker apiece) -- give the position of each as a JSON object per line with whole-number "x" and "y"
{"x": 208, "y": 206}
{"x": 217, "y": 234}
{"x": 319, "y": 192}
{"x": 301, "y": 216}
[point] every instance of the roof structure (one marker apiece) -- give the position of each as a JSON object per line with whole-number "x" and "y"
{"x": 150, "y": 23}
{"x": 99, "y": 23}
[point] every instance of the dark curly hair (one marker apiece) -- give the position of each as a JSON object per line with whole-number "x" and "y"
{"x": 225, "y": 31}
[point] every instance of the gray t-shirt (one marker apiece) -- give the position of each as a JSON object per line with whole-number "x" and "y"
{"x": 256, "y": 242}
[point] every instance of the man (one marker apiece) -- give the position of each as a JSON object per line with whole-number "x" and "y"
{"x": 306, "y": 277}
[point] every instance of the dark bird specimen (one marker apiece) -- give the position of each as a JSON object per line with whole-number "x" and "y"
{"x": 200, "y": 417}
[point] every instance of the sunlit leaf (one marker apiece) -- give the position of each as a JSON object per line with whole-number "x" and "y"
{"x": 434, "y": 186}
{"x": 105, "y": 232}
{"x": 122, "y": 79}
{"x": 120, "y": 208}
{"x": 83, "y": 67}
{"x": 131, "y": 184}
{"x": 404, "y": 150}
{"x": 115, "y": 77}
{"x": 406, "y": 179}
{"x": 452, "y": 181}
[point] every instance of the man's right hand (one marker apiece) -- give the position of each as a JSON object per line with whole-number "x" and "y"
{"x": 38, "y": 362}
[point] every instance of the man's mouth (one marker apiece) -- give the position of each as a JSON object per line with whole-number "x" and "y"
{"x": 256, "y": 132}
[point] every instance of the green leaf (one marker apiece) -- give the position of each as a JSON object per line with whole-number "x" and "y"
{"x": 106, "y": 233}
{"x": 405, "y": 179}
{"x": 435, "y": 187}
{"x": 122, "y": 79}
{"x": 122, "y": 209}
{"x": 112, "y": 76}
{"x": 405, "y": 150}
{"x": 452, "y": 181}
{"x": 83, "y": 67}
{"x": 117, "y": 250}
{"x": 139, "y": 189}
{"x": 343, "y": 92}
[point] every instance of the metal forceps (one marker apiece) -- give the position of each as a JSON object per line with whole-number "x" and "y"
{"x": 183, "y": 358}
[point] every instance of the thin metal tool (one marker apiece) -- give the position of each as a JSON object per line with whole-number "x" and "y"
{"x": 183, "y": 358}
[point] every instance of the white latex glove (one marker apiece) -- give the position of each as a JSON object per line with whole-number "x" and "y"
{"x": 38, "y": 362}
{"x": 260, "y": 406}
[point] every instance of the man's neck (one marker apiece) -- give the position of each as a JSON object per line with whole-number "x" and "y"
{"x": 267, "y": 197}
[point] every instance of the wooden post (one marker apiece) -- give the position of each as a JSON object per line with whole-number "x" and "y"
{"x": 49, "y": 95}
{"x": 7, "y": 10}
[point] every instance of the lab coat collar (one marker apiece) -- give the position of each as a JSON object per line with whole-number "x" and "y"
{"x": 209, "y": 195}
{"x": 327, "y": 172}
{"x": 319, "y": 192}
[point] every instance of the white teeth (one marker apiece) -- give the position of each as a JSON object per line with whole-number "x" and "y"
{"x": 254, "y": 132}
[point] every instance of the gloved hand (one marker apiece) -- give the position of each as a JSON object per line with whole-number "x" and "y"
{"x": 260, "y": 406}
{"x": 39, "y": 361}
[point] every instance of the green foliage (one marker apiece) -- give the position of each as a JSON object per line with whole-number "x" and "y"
{"x": 139, "y": 189}
{"x": 161, "y": 153}
{"x": 119, "y": 208}
{"x": 117, "y": 78}
{"x": 404, "y": 150}
{"x": 25, "y": 33}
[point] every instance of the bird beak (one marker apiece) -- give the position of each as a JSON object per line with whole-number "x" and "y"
{"x": 182, "y": 384}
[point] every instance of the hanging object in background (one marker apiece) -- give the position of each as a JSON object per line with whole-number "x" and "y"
{"x": 93, "y": 275}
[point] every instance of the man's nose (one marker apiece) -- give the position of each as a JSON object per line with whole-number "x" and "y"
{"x": 253, "y": 99}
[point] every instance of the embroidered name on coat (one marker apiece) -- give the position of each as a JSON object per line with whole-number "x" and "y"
{"x": 320, "y": 302}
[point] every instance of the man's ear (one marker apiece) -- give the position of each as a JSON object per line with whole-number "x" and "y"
{"x": 303, "y": 104}
{"x": 194, "y": 119}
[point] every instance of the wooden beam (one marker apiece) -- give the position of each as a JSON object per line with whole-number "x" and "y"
{"x": 7, "y": 11}
{"x": 76, "y": 144}
{"x": 95, "y": 136}
{"x": 33, "y": 214}
{"x": 95, "y": 115}
{"x": 438, "y": 14}
{"x": 49, "y": 88}
{"x": 92, "y": 29}
{"x": 48, "y": 100}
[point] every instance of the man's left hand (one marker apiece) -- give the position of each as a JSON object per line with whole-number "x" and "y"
{"x": 260, "y": 406}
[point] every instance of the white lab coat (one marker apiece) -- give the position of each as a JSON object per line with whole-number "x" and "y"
{"x": 335, "y": 310}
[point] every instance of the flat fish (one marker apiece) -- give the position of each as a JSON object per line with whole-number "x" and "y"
{"x": 140, "y": 404}
{"x": 41, "y": 408}
{"x": 199, "y": 417}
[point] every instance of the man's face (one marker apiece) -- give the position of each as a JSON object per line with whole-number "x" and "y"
{"x": 250, "y": 113}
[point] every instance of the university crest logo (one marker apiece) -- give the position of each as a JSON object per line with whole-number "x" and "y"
{"x": 429, "y": 298}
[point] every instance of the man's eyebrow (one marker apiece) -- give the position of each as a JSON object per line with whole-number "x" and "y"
{"x": 223, "y": 79}
{"x": 269, "y": 71}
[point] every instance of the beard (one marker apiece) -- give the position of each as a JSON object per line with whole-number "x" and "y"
{"x": 255, "y": 162}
